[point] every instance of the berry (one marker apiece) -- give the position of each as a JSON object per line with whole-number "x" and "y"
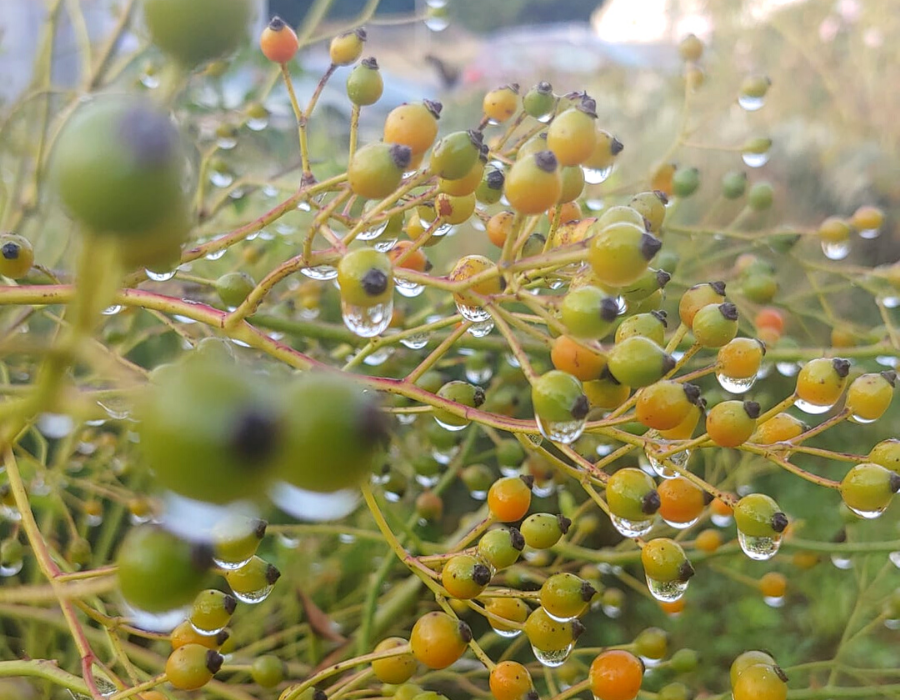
{"x": 212, "y": 611}
{"x": 620, "y": 253}
{"x": 510, "y": 680}
{"x": 543, "y": 530}
{"x": 267, "y": 671}
{"x": 572, "y": 178}
{"x": 200, "y": 30}
{"x": 685, "y": 181}
{"x": 664, "y": 560}
{"x": 708, "y": 541}
{"x": 345, "y": 49}
{"x": 455, "y": 155}
{"x": 616, "y": 675}
{"x": 685, "y": 429}
{"x": 690, "y": 48}
{"x": 582, "y": 363}
{"x": 760, "y": 682}
{"x": 621, "y": 214}
{"x": 652, "y": 643}
{"x": 760, "y": 196}
{"x": 465, "y": 577}
{"x": 16, "y": 256}
{"x": 252, "y": 578}
{"x": 501, "y": 547}
{"x": 512, "y": 609}
{"x": 674, "y": 691}
{"x": 510, "y": 453}
{"x": 278, "y": 41}
{"x": 572, "y": 135}
{"x": 415, "y": 261}
{"x": 549, "y": 635}
{"x": 365, "y": 84}
{"x": 681, "y": 501}
{"x": 697, "y": 297}
{"x": 757, "y": 515}
{"x": 740, "y": 358}
{"x": 652, "y": 206}
{"x": 748, "y": 659}
{"x": 462, "y": 393}
{"x": 234, "y": 287}
{"x": 821, "y": 381}
{"x": 661, "y": 178}
{"x": 490, "y": 189}
{"x": 606, "y": 149}
{"x": 534, "y": 183}
{"x": 509, "y": 498}
{"x": 470, "y": 266}
{"x": 413, "y": 125}
{"x": 465, "y": 185}
{"x": 631, "y": 495}
{"x": 438, "y": 640}
{"x": 500, "y": 104}
{"x": 755, "y": 86}
{"x": 734, "y": 184}
{"x": 778, "y": 428}
{"x": 499, "y": 226}
{"x": 192, "y": 666}
{"x": 650, "y": 325}
{"x": 887, "y": 454}
{"x": 638, "y": 361}
{"x": 185, "y": 633}
{"x": 557, "y": 397}
{"x": 731, "y": 423}
{"x": 565, "y": 596}
{"x": 395, "y": 669}
{"x": 761, "y": 287}
{"x": 649, "y": 283}
{"x": 715, "y": 325}
{"x": 539, "y": 101}
{"x": 773, "y": 585}
{"x": 665, "y": 404}
{"x": 868, "y": 488}
{"x": 377, "y": 168}
{"x": 606, "y": 393}
{"x": 429, "y": 506}
{"x": 588, "y": 312}
{"x": 867, "y": 218}
{"x": 870, "y": 395}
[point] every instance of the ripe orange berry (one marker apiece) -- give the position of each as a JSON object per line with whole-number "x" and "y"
{"x": 778, "y": 428}
{"x": 740, "y": 358}
{"x": 569, "y": 211}
{"x": 773, "y": 585}
{"x": 665, "y": 404}
{"x": 616, "y": 675}
{"x": 680, "y": 501}
{"x": 731, "y": 423}
{"x": 721, "y": 508}
{"x": 769, "y": 317}
{"x": 438, "y": 640}
{"x": 499, "y": 227}
{"x": 414, "y": 261}
{"x": 510, "y": 680}
{"x": 821, "y": 381}
{"x": 414, "y": 125}
{"x": 708, "y": 541}
{"x": 661, "y": 179}
{"x": 509, "y": 498}
{"x": 697, "y": 297}
{"x": 579, "y": 361}
{"x": 279, "y": 41}
{"x": 394, "y": 669}
{"x": 500, "y": 104}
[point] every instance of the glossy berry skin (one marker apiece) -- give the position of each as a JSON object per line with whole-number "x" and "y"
{"x": 665, "y": 404}
{"x": 869, "y": 488}
{"x": 620, "y": 253}
{"x": 395, "y": 669}
{"x": 234, "y": 287}
{"x": 558, "y": 397}
{"x": 465, "y": 185}
{"x": 543, "y": 530}
{"x": 192, "y": 666}
{"x": 715, "y": 325}
{"x": 377, "y": 168}
{"x": 539, "y": 100}
{"x": 267, "y": 671}
{"x": 606, "y": 149}
{"x": 834, "y": 230}
{"x": 652, "y": 643}
{"x": 821, "y": 381}
{"x": 209, "y": 432}
{"x": 731, "y": 423}
{"x": 581, "y": 362}
{"x": 334, "y": 433}
{"x": 647, "y": 284}
{"x": 465, "y": 577}
{"x": 664, "y": 560}
{"x": 500, "y": 104}
{"x": 499, "y": 226}
{"x": 747, "y": 659}
{"x": 414, "y": 125}
{"x": 462, "y": 393}
{"x": 631, "y": 495}
{"x": 469, "y": 266}
{"x": 254, "y": 576}
{"x": 887, "y": 454}
{"x": 685, "y": 429}
{"x": 757, "y": 515}
{"x": 501, "y": 548}
{"x": 345, "y": 49}
{"x": 438, "y": 640}
{"x": 118, "y": 166}
{"x": 759, "y": 682}
{"x": 870, "y": 395}
{"x": 638, "y": 362}
{"x": 365, "y": 84}
{"x": 588, "y": 312}
{"x": 616, "y": 674}
{"x": 196, "y": 31}
{"x": 512, "y": 609}
{"x": 364, "y": 276}
{"x": 534, "y": 183}
{"x": 572, "y": 135}
{"x": 697, "y": 297}
{"x": 778, "y": 428}
{"x": 16, "y": 256}
{"x": 680, "y": 500}
{"x": 510, "y": 680}
{"x": 278, "y": 41}
{"x": 185, "y": 633}
{"x": 652, "y": 206}
{"x": 606, "y": 393}
{"x": 621, "y": 214}
{"x": 455, "y": 155}
{"x": 650, "y": 325}
{"x": 547, "y": 634}
{"x": 740, "y": 358}
{"x": 566, "y": 595}
{"x": 212, "y": 610}
{"x": 509, "y": 499}
{"x": 867, "y": 218}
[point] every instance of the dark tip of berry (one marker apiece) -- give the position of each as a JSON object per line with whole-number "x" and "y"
{"x": 259, "y": 528}
{"x": 512, "y": 86}
{"x": 662, "y": 196}
{"x": 692, "y": 391}
{"x": 370, "y": 63}
{"x": 894, "y": 482}
{"x": 577, "y": 629}
{"x": 662, "y": 278}
{"x": 668, "y": 363}
{"x": 708, "y": 498}
{"x": 650, "y": 246}
{"x": 375, "y": 282}
{"x": 478, "y": 397}
{"x": 528, "y": 480}
{"x": 762, "y": 346}
{"x": 148, "y": 135}
{"x": 214, "y": 661}
{"x": 660, "y": 316}
{"x": 255, "y": 436}
{"x": 532, "y": 695}
{"x": 752, "y": 409}
{"x": 780, "y": 673}
{"x": 890, "y": 376}
{"x": 587, "y": 591}
{"x": 650, "y": 503}
{"x": 718, "y": 287}
{"x": 685, "y": 571}
{"x": 229, "y": 602}
{"x": 465, "y": 632}
{"x": 841, "y": 366}
{"x": 361, "y": 34}
{"x": 646, "y": 223}
{"x": 10, "y": 251}
{"x": 434, "y": 107}
{"x": 201, "y": 556}
{"x": 729, "y": 311}
{"x": 272, "y": 574}
{"x": 494, "y": 180}
{"x": 564, "y": 523}
{"x": 481, "y": 575}
{"x": 616, "y": 146}
{"x": 516, "y": 539}
{"x": 476, "y": 137}
{"x": 372, "y": 425}
{"x": 385, "y": 469}
{"x": 401, "y": 155}
{"x": 546, "y": 161}
{"x": 429, "y": 266}
{"x": 841, "y": 536}
{"x": 222, "y": 637}
{"x": 588, "y": 106}
{"x": 609, "y": 309}
{"x": 319, "y": 695}
{"x": 544, "y": 87}
{"x": 779, "y": 522}
{"x": 581, "y": 408}
{"x": 276, "y": 24}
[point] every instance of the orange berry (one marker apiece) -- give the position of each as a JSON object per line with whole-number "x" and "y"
{"x": 769, "y": 317}
{"x": 680, "y": 501}
{"x": 500, "y": 104}
{"x": 579, "y": 361}
{"x": 534, "y": 183}
{"x": 616, "y": 675}
{"x": 675, "y": 607}
{"x": 499, "y": 227}
{"x": 509, "y": 498}
{"x": 438, "y": 640}
{"x": 569, "y": 211}
{"x": 414, "y": 261}
{"x": 510, "y": 680}
{"x": 708, "y": 541}
{"x": 414, "y": 125}
{"x": 394, "y": 669}
{"x": 279, "y": 41}
{"x": 773, "y": 585}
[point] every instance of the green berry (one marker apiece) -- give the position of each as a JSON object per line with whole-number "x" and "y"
{"x": 557, "y": 397}
{"x": 364, "y": 276}
{"x": 501, "y": 547}
{"x": 365, "y": 84}
{"x": 638, "y": 361}
{"x": 234, "y": 287}
{"x": 543, "y": 530}
{"x": 631, "y": 495}
{"x": 196, "y": 31}
{"x": 758, "y": 515}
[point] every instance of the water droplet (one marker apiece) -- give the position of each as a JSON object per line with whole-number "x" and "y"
{"x": 269, "y": 191}
{"x": 836, "y": 251}
{"x": 553, "y": 658}
{"x": 787, "y": 369}
{"x": 427, "y": 482}
{"x": 755, "y": 160}
{"x": 721, "y": 520}
{"x": 841, "y": 562}
{"x": 150, "y": 81}
{"x": 444, "y": 456}
{"x": 122, "y": 413}
{"x": 320, "y": 272}
{"x": 254, "y": 597}
{"x": 479, "y": 375}
{"x": 452, "y": 427}
{"x": 55, "y": 425}
{"x": 416, "y": 341}
{"x": 895, "y": 558}
{"x": 890, "y": 302}
{"x": 595, "y": 176}
{"x": 611, "y": 611}
{"x": 379, "y": 357}
{"x": 648, "y": 663}
{"x": 631, "y": 528}
{"x": 594, "y": 204}
{"x": 774, "y": 601}
{"x": 151, "y": 621}
{"x": 666, "y": 591}
{"x": 287, "y": 541}
{"x": 750, "y": 104}
{"x": 437, "y": 23}
{"x": 866, "y": 514}
{"x": 862, "y": 421}
{"x": 112, "y": 310}
{"x": 888, "y": 360}
{"x": 543, "y": 490}
{"x": 565, "y": 432}
{"x": 220, "y": 178}
{"x": 371, "y": 234}
{"x": 759, "y": 548}
{"x": 205, "y": 632}
{"x": 481, "y": 329}
{"x": 258, "y": 124}
{"x": 476, "y": 314}
{"x": 437, "y": 4}
{"x": 681, "y": 526}
{"x": 813, "y": 409}
{"x": 312, "y": 506}
{"x": 892, "y": 624}
{"x": 196, "y": 521}
{"x": 508, "y": 633}
{"x": 408, "y": 289}
{"x": 226, "y": 143}
{"x": 367, "y": 321}
{"x": 604, "y": 449}
{"x": 216, "y": 255}
{"x": 658, "y": 466}
{"x": 11, "y": 568}
{"x": 735, "y": 385}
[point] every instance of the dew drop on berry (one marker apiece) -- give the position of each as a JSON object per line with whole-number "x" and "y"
{"x": 813, "y": 409}
{"x": 754, "y": 160}
{"x": 595, "y": 176}
{"x": 565, "y": 432}
{"x": 666, "y": 591}
{"x": 734, "y": 385}
{"x": 836, "y": 251}
{"x": 774, "y": 601}
{"x": 631, "y": 528}
{"x": 895, "y": 558}
{"x": 367, "y": 321}
{"x": 759, "y": 548}
{"x": 163, "y": 622}
{"x": 841, "y": 562}
{"x": 320, "y": 272}
{"x": 750, "y": 104}
{"x": 553, "y": 658}
{"x": 312, "y": 506}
